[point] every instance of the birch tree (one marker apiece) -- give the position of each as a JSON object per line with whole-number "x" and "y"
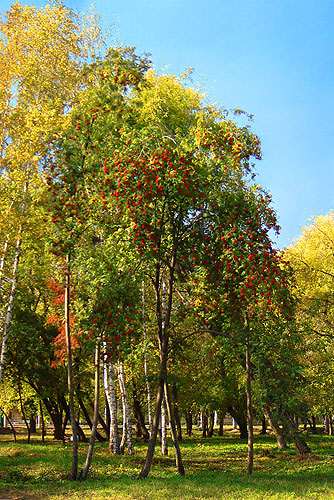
{"x": 37, "y": 88}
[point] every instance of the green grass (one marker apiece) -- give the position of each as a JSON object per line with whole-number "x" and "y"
{"x": 215, "y": 470}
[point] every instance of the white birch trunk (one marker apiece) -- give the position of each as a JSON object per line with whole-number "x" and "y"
{"x": 3, "y": 257}
{"x": 109, "y": 387}
{"x": 127, "y": 420}
{"x": 10, "y": 305}
{"x": 13, "y": 287}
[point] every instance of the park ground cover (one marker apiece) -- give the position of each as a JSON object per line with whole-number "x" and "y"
{"x": 215, "y": 469}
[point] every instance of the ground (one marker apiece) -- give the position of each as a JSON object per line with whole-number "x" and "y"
{"x": 215, "y": 470}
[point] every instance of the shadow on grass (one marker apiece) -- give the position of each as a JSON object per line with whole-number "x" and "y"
{"x": 215, "y": 469}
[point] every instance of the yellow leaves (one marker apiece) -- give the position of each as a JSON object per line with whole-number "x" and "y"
{"x": 312, "y": 258}
{"x": 168, "y": 103}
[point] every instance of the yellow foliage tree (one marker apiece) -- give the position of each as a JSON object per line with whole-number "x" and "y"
{"x": 312, "y": 258}
{"x": 42, "y": 56}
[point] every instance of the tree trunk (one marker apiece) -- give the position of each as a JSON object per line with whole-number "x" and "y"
{"x": 10, "y": 305}
{"x": 301, "y": 446}
{"x": 211, "y": 424}
{"x": 23, "y": 412}
{"x": 204, "y": 424}
{"x": 127, "y": 420}
{"x": 163, "y": 313}
{"x": 42, "y": 420}
{"x": 32, "y": 424}
{"x": 109, "y": 387}
{"x": 155, "y": 424}
{"x": 189, "y": 423}
{"x": 101, "y": 421}
{"x": 139, "y": 417}
{"x": 74, "y": 472}
{"x": 10, "y": 423}
{"x": 87, "y": 417}
{"x": 148, "y": 385}
{"x": 164, "y": 445}
{"x": 84, "y": 472}
{"x": 107, "y": 411}
{"x": 278, "y": 432}
{"x": 178, "y": 458}
{"x": 314, "y": 425}
{"x": 240, "y": 420}
{"x": 250, "y": 452}
{"x": 176, "y": 413}
{"x": 263, "y": 426}
{"x": 55, "y": 414}
{"x": 221, "y": 424}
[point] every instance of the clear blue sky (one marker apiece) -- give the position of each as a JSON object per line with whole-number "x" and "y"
{"x": 274, "y": 59}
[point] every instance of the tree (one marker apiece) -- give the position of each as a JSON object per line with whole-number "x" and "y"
{"x": 311, "y": 257}
{"x": 37, "y": 88}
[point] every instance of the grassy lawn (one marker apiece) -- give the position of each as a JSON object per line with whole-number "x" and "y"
{"x": 215, "y": 469}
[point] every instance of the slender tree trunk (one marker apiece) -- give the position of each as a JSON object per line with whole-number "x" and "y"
{"x": 74, "y": 472}
{"x": 10, "y": 305}
{"x": 176, "y": 413}
{"x": 178, "y": 458}
{"x": 107, "y": 410}
{"x": 109, "y": 387}
{"x": 127, "y": 420}
{"x": 221, "y": 424}
{"x": 211, "y": 424}
{"x": 204, "y": 424}
{"x": 140, "y": 421}
{"x": 148, "y": 385}
{"x": 10, "y": 423}
{"x": 84, "y": 472}
{"x": 42, "y": 420}
{"x": 250, "y": 428}
{"x": 164, "y": 446}
{"x": 23, "y": 412}
{"x": 81, "y": 435}
{"x": 101, "y": 421}
{"x": 155, "y": 424}
{"x": 163, "y": 312}
{"x": 87, "y": 417}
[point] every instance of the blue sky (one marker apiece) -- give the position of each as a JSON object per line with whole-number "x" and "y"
{"x": 274, "y": 59}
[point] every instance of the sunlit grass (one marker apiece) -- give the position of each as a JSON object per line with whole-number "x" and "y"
{"x": 215, "y": 469}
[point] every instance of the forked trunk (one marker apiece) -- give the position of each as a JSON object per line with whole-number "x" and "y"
{"x": 277, "y": 430}
{"x": 164, "y": 446}
{"x": 84, "y": 472}
{"x": 156, "y": 418}
{"x": 178, "y": 458}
